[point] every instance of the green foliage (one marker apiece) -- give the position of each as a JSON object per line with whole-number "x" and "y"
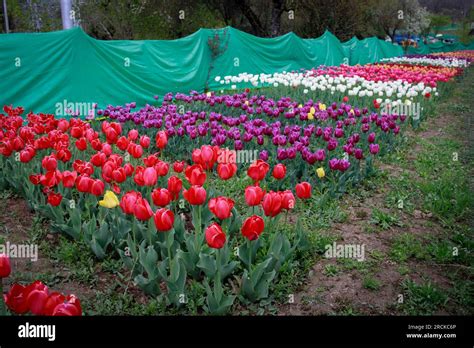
{"x": 422, "y": 299}
{"x": 371, "y": 283}
{"x": 384, "y": 220}
{"x": 331, "y": 270}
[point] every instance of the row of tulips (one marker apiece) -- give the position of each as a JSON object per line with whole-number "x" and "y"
{"x": 35, "y": 298}
{"x": 334, "y": 137}
{"x": 447, "y": 62}
{"x": 335, "y": 81}
{"x": 467, "y": 55}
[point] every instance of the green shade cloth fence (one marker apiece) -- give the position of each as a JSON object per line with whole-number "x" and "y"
{"x": 68, "y": 70}
{"x": 439, "y": 47}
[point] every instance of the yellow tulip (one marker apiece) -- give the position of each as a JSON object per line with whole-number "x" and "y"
{"x": 322, "y": 107}
{"x": 320, "y": 172}
{"x": 312, "y": 110}
{"x": 310, "y": 117}
{"x": 300, "y": 106}
{"x": 110, "y": 200}
{"x": 208, "y": 94}
{"x": 351, "y": 111}
{"x": 246, "y": 102}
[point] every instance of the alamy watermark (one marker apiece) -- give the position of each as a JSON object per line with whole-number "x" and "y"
{"x": 348, "y": 251}
{"x": 68, "y": 108}
{"x": 410, "y": 109}
{"x": 20, "y": 251}
{"x": 237, "y": 156}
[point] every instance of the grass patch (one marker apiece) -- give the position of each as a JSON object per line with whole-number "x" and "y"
{"x": 422, "y": 299}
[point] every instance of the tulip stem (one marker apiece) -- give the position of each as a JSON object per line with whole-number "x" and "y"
{"x": 249, "y": 246}
{"x": 218, "y": 263}
{"x": 169, "y": 251}
{"x": 197, "y": 228}
{"x": 2, "y": 303}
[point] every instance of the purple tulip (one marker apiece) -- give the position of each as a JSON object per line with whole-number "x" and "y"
{"x": 374, "y": 148}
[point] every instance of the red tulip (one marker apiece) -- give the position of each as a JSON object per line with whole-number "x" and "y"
{"x": 272, "y": 204}
{"x": 69, "y": 178}
{"x": 42, "y": 143}
{"x": 128, "y": 201}
{"x": 253, "y": 227}
{"x": 51, "y": 179}
{"x": 49, "y": 163}
{"x": 35, "y": 179}
{"x": 226, "y": 170}
{"x": 81, "y": 144}
{"x": 83, "y": 167}
{"x": 64, "y": 155}
{"x": 279, "y": 171}
{"x": 97, "y": 188}
{"x": 119, "y": 175}
{"x": 5, "y": 268}
{"x": 288, "y": 200}
{"x": 258, "y": 170}
{"x": 196, "y": 195}
{"x": 107, "y": 170}
{"x": 15, "y": 299}
{"x": 161, "y": 197}
{"x": 221, "y": 207}
{"x": 122, "y": 143}
{"x": 178, "y": 166}
{"x": 253, "y": 195}
{"x": 96, "y": 144}
{"x": 116, "y": 188}
{"x": 111, "y": 135}
{"x": 145, "y": 141}
{"x": 71, "y": 307}
{"x": 215, "y": 237}
{"x": 128, "y": 169}
{"x": 63, "y": 125}
{"x": 162, "y": 168}
{"x": 36, "y": 295}
{"x": 135, "y": 150}
{"x": 206, "y": 156}
{"x": 76, "y": 132}
{"x": 150, "y": 161}
{"x": 303, "y": 190}
{"x": 54, "y": 199}
{"x": 174, "y": 186}
{"x": 27, "y": 154}
{"x": 6, "y": 148}
{"x": 84, "y": 183}
{"x": 18, "y": 144}
{"x": 98, "y": 159}
{"x": 150, "y": 176}
{"x": 195, "y": 175}
{"x": 161, "y": 139}
{"x": 116, "y": 159}
{"x": 54, "y": 299}
{"x": 133, "y": 134}
{"x": 164, "y": 219}
{"x": 345, "y": 99}
{"x": 138, "y": 177}
{"x": 142, "y": 209}
{"x": 107, "y": 149}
